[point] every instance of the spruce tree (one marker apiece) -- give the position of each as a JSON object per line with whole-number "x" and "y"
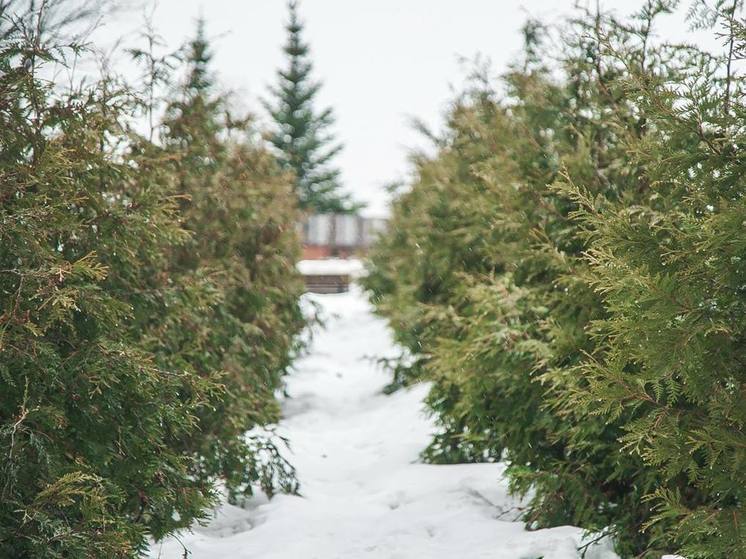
{"x": 301, "y": 133}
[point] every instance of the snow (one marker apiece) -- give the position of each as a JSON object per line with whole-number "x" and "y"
{"x": 365, "y": 494}
{"x": 331, "y": 266}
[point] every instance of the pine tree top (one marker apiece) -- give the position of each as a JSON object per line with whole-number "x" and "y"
{"x": 199, "y": 57}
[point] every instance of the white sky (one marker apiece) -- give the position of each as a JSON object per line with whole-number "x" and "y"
{"x": 381, "y": 62}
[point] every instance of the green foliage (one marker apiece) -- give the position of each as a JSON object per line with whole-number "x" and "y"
{"x": 240, "y": 210}
{"x": 533, "y": 308}
{"x": 145, "y": 321}
{"x": 300, "y": 135}
{"x": 90, "y": 422}
{"x": 670, "y": 351}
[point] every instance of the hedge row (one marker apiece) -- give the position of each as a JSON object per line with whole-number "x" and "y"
{"x": 148, "y": 301}
{"x": 567, "y": 270}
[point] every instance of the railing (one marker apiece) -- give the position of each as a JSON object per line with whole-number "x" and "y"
{"x": 341, "y": 231}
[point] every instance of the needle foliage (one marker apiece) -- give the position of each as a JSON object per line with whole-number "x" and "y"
{"x": 148, "y": 306}
{"x": 563, "y": 272}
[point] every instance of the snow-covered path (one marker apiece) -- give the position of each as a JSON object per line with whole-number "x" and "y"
{"x": 364, "y": 492}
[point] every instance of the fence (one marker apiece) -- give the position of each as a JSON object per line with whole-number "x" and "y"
{"x": 338, "y": 235}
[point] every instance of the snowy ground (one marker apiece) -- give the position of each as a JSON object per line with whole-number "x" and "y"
{"x": 364, "y": 492}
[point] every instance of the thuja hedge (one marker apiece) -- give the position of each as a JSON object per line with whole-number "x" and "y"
{"x": 567, "y": 272}
{"x": 148, "y": 307}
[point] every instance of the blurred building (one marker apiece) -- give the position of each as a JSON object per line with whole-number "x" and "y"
{"x": 339, "y": 235}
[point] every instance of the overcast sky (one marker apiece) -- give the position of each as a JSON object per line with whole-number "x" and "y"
{"x": 381, "y": 62}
